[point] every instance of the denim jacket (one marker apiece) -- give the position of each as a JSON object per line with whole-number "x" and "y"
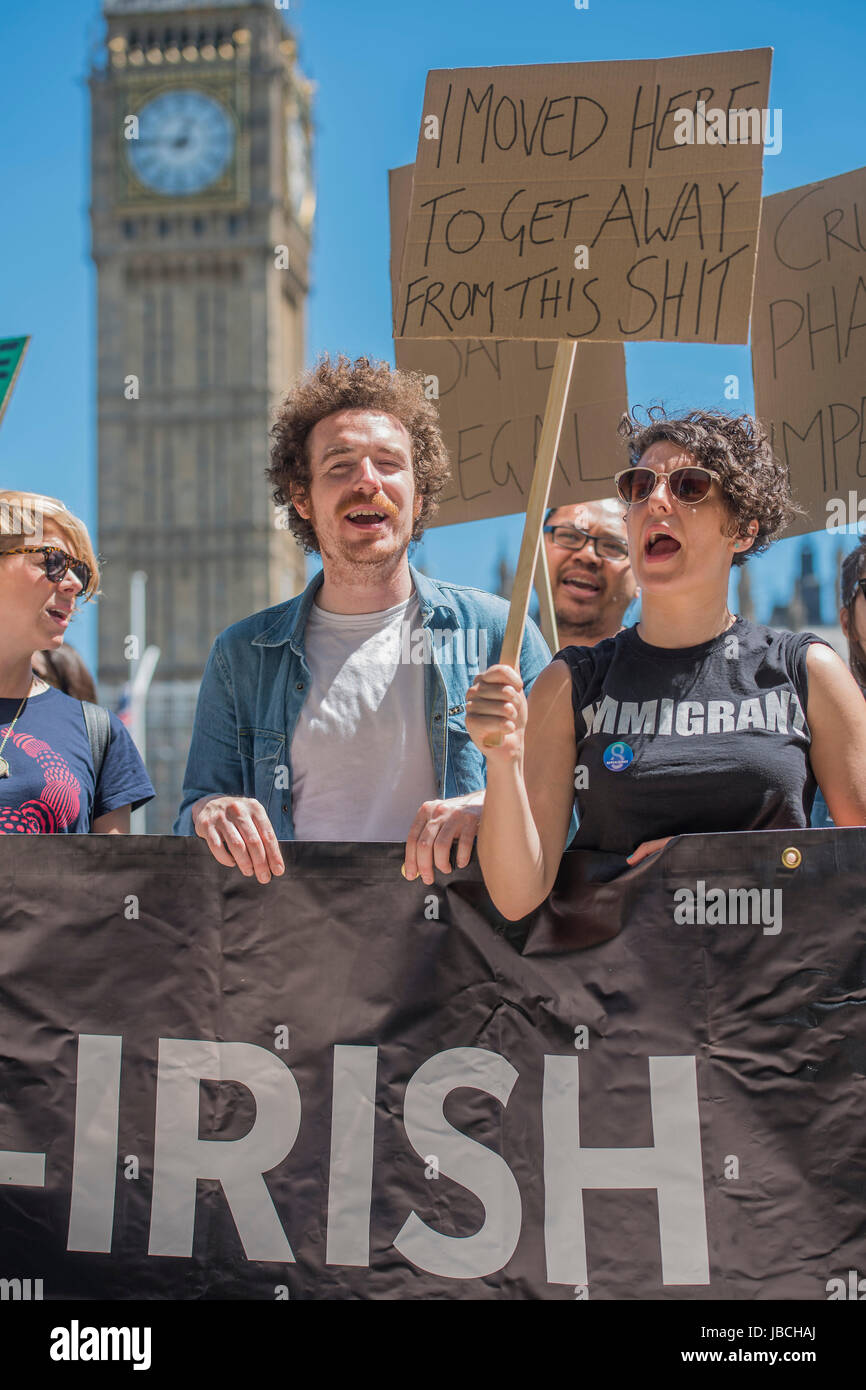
{"x": 256, "y": 680}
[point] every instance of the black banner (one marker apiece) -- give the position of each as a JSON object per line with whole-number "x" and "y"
{"x": 341, "y": 1085}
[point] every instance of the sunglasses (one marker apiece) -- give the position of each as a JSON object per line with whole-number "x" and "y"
{"x": 574, "y": 538}
{"x": 57, "y": 563}
{"x": 688, "y": 485}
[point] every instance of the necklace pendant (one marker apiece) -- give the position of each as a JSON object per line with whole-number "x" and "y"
{"x": 4, "y": 768}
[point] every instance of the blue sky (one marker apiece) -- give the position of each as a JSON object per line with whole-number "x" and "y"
{"x": 370, "y": 61}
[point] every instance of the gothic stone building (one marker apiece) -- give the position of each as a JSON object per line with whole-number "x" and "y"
{"x": 202, "y": 204}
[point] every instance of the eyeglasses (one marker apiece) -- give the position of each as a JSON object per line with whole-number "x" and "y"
{"x": 574, "y": 538}
{"x": 57, "y": 563}
{"x": 689, "y": 485}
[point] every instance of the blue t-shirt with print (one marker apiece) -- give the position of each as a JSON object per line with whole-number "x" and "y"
{"x": 50, "y": 787}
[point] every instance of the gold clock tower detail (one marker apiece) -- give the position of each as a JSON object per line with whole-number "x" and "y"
{"x": 202, "y": 207}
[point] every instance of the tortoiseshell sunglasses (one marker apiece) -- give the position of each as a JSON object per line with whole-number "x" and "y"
{"x": 57, "y": 563}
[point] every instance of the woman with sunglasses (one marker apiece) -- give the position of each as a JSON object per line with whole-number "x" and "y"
{"x": 695, "y": 721}
{"x": 48, "y": 781}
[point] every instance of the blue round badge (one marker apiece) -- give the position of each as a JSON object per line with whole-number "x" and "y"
{"x": 617, "y": 756}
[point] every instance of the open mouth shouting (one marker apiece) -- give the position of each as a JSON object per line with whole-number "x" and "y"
{"x": 365, "y": 519}
{"x": 659, "y": 545}
{"x": 60, "y": 615}
{"x": 369, "y": 515}
{"x": 581, "y": 585}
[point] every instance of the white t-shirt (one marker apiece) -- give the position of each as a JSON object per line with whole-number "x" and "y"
{"x": 361, "y": 761}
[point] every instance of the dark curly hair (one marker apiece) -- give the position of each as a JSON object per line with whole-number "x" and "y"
{"x": 341, "y": 384}
{"x": 852, "y": 570}
{"x": 754, "y": 482}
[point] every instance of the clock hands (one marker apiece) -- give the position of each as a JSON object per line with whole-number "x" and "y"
{"x": 184, "y": 145}
{"x": 174, "y": 142}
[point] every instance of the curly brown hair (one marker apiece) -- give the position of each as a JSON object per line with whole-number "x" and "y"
{"x": 341, "y": 384}
{"x": 853, "y": 569}
{"x": 754, "y": 482}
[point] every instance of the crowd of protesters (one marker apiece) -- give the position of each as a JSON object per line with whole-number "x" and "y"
{"x": 380, "y": 691}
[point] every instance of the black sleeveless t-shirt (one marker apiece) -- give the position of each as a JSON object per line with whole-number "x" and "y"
{"x": 690, "y": 740}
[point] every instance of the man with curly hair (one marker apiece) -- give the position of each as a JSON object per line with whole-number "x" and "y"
{"x": 340, "y": 715}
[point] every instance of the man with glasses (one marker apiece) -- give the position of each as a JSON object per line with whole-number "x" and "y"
{"x": 590, "y": 574}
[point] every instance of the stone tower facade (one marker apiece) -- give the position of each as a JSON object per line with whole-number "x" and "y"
{"x": 201, "y": 215}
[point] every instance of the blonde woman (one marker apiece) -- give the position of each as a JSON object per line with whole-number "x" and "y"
{"x": 65, "y": 767}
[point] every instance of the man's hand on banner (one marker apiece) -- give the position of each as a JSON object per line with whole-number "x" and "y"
{"x": 433, "y": 832}
{"x": 646, "y": 849}
{"x": 496, "y": 705}
{"x": 237, "y": 831}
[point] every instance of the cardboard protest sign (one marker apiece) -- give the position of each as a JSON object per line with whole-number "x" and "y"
{"x": 399, "y": 203}
{"x": 809, "y": 342}
{"x": 491, "y": 396}
{"x": 607, "y": 201}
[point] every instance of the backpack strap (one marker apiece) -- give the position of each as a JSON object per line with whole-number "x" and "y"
{"x": 98, "y": 728}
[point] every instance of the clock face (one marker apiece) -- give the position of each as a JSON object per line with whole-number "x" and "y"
{"x": 185, "y": 142}
{"x": 300, "y": 170}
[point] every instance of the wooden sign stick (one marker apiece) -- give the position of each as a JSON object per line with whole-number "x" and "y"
{"x": 546, "y": 610}
{"x": 545, "y": 462}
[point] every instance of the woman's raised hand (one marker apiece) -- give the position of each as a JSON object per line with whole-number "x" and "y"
{"x": 496, "y": 713}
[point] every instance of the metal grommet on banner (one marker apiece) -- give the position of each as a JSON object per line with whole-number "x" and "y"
{"x": 791, "y": 857}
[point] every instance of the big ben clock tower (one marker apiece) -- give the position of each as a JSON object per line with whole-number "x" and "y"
{"x": 202, "y": 205}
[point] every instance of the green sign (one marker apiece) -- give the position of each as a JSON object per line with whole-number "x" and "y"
{"x": 12, "y": 352}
